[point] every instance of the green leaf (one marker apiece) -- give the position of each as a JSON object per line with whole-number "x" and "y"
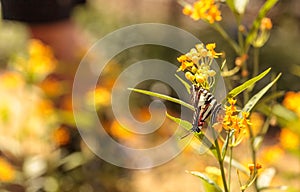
{"x": 183, "y": 123}
{"x": 223, "y": 65}
{"x": 206, "y": 179}
{"x": 283, "y": 115}
{"x": 188, "y": 126}
{"x": 252, "y": 102}
{"x": 256, "y": 23}
{"x": 225, "y": 145}
{"x": 247, "y": 84}
{"x": 187, "y": 86}
{"x": 162, "y": 96}
{"x": 230, "y": 4}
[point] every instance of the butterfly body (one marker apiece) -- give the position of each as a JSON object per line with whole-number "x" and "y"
{"x": 204, "y": 103}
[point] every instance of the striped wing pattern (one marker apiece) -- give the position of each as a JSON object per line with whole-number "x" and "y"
{"x": 204, "y": 103}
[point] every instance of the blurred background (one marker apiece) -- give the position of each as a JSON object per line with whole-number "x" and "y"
{"x": 40, "y": 147}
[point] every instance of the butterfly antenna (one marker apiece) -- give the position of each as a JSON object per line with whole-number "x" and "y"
{"x": 187, "y": 134}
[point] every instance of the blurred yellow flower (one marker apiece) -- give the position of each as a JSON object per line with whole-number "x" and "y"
{"x": 272, "y": 154}
{"x": 289, "y": 139}
{"x": 11, "y": 80}
{"x": 7, "y": 172}
{"x": 119, "y": 132}
{"x": 206, "y": 10}
{"x": 39, "y": 63}
{"x": 292, "y": 101}
{"x": 257, "y": 122}
{"x": 100, "y": 97}
{"x": 52, "y": 87}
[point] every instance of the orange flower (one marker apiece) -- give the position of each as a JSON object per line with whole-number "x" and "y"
{"x": 251, "y": 167}
{"x": 266, "y": 24}
{"x": 61, "y": 136}
{"x": 206, "y": 10}
{"x": 7, "y": 172}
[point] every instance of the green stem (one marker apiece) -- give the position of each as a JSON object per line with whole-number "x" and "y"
{"x": 240, "y": 34}
{"x": 255, "y": 61}
{"x": 253, "y": 152}
{"x": 220, "y": 160}
{"x": 229, "y": 169}
{"x": 225, "y": 35}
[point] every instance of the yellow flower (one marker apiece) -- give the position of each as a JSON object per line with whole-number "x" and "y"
{"x": 292, "y": 101}
{"x": 11, "y": 80}
{"x": 257, "y": 122}
{"x": 40, "y": 62}
{"x": 206, "y": 10}
{"x": 289, "y": 139}
{"x": 196, "y": 64}
{"x": 187, "y": 10}
{"x": 100, "y": 97}
{"x": 211, "y": 50}
{"x": 7, "y": 172}
{"x": 119, "y": 132}
{"x": 233, "y": 122}
{"x": 272, "y": 154}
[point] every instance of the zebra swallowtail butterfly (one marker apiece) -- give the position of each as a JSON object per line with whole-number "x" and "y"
{"x": 205, "y": 104}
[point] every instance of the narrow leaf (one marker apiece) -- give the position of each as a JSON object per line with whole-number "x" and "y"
{"x": 223, "y": 65}
{"x": 256, "y": 23}
{"x": 252, "y": 102}
{"x": 162, "y": 96}
{"x": 225, "y": 145}
{"x": 280, "y": 188}
{"x": 188, "y": 126}
{"x": 205, "y": 179}
{"x": 247, "y": 84}
{"x": 187, "y": 86}
{"x": 230, "y": 4}
{"x": 183, "y": 123}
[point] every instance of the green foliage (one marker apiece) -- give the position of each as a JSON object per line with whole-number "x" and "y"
{"x": 236, "y": 91}
{"x": 206, "y": 179}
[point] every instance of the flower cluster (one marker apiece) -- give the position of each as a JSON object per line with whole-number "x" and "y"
{"x": 197, "y": 65}
{"x": 234, "y": 122}
{"x": 39, "y": 62}
{"x": 206, "y": 10}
